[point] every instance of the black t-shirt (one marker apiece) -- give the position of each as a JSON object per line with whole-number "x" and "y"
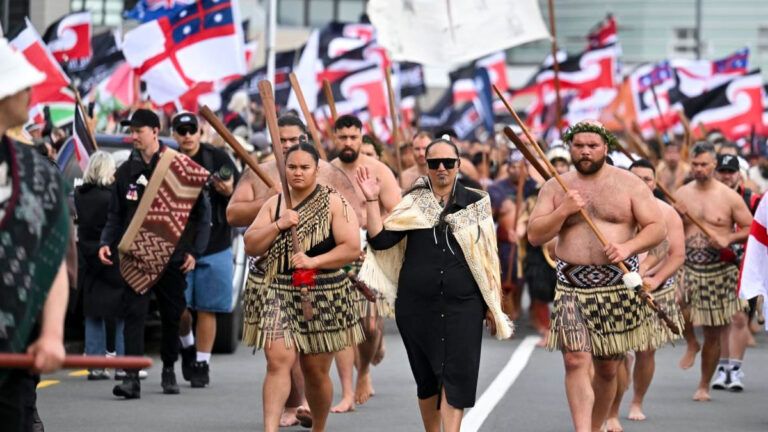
{"x": 212, "y": 159}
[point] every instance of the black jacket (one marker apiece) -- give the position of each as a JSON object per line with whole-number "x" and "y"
{"x": 101, "y": 285}
{"x": 123, "y": 205}
{"x": 213, "y": 159}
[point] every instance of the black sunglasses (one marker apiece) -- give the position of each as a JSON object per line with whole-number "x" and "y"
{"x": 186, "y": 130}
{"x": 448, "y": 163}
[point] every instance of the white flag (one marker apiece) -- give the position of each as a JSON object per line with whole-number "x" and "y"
{"x": 754, "y": 270}
{"x": 445, "y": 33}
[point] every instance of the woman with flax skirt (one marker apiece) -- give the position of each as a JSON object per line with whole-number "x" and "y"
{"x": 437, "y": 253}
{"x": 303, "y": 305}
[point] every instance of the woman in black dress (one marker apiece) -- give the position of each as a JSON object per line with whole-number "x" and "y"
{"x": 446, "y": 274}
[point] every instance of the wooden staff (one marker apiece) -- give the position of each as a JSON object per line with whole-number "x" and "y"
{"x": 228, "y": 138}
{"x": 328, "y": 92}
{"x": 704, "y": 131}
{"x": 687, "y": 137}
{"x": 307, "y": 115}
{"x": 523, "y": 149}
{"x": 634, "y": 140}
{"x": 268, "y": 102}
{"x": 551, "y": 172}
{"x": 671, "y": 198}
{"x": 395, "y": 134}
{"x": 662, "y": 133}
{"x": 270, "y": 112}
{"x": 555, "y": 64}
{"x": 27, "y": 361}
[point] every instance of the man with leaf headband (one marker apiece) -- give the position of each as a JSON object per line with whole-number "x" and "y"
{"x": 596, "y": 318}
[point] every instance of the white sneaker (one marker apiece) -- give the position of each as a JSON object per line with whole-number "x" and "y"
{"x": 735, "y": 385}
{"x": 120, "y": 374}
{"x": 722, "y": 377}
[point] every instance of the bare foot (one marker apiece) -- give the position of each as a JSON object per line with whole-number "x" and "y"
{"x": 613, "y": 425}
{"x": 701, "y": 395}
{"x": 364, "y": 389}
{"x": 288, "y": 418}
{"x": 344, "y": 406}
{"x": 689, "y": 358}
{"x": 636, "y": 412}
{"x": 751, "y": 340}
{"x": 304, "y": 416}
{"x": 379, "y": 356}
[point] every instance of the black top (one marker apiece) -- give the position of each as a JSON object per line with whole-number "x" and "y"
{"x": 212, "y": 159}
{"x": 324, "y": 246}
{"x": 123, "y": 205}
{"x": 101, "y": 285}
{"x": 434, "y": 263}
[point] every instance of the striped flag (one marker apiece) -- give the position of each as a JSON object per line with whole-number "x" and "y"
{"x": 754, "y": 270}
{"x": 84, "y": 145}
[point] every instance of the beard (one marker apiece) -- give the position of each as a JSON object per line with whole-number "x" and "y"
{"x": 592, "y": 166}
{"x": 348, "y": 155}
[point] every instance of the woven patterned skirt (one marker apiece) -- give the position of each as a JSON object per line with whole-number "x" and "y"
{"x": 665, "y": 298}
{"x": 274, "y": 312}
{"x": 366, "y": 308}
{"x": 594, "y": 312}
{"x": 711, "y": 290}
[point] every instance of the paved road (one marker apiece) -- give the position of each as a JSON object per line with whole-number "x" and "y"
{"x": 534, "y": 402}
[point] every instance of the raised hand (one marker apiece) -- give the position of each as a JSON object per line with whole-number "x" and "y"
{"x": 368, "y": 183}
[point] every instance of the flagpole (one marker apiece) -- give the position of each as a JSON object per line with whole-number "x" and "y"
{"x": 271, "y": 27}
{"x": 555, "y": 66}
{"x": 86, "y": 117}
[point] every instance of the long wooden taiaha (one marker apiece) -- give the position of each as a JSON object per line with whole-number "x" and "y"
{"x": 551, "y": 172}
{"x": 27, "y": 361}
{"x": 671, "y": 198}
{"x": 228, "y": 138}
{"x": 395, "y": 129}
{"x": 307, "y": 116}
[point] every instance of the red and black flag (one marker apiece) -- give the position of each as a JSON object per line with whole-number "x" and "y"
{"x": 734, "y": 108}
{"x": 69, "y": 38}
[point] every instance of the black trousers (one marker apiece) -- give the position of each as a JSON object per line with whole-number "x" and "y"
{"x": 169, "y": 291}
{"x": 17, "y": 400}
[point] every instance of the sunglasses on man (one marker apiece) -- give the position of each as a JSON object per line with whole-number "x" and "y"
{"x": 186, "y": 130}
{"x": 448, "y": 163}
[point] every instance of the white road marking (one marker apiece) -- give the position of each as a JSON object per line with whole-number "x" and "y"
{"x": 498, "y": 388}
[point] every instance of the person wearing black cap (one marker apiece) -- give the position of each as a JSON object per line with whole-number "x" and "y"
{"x": 160, "y": 216}
{"x": 711, "y": 272}
{"x": 734, "y": 340}
{"x": 209, "y": 285}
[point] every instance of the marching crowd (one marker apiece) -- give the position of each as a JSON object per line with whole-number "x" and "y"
{"x": 443, "y": 236}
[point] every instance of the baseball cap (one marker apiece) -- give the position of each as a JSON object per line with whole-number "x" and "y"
{"x": 727, "y": 162}
{"x": 183, "y": 119}
{"x": 142, "y": 117}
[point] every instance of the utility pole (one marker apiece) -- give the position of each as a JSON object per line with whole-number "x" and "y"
{"x": 698, "y": 30}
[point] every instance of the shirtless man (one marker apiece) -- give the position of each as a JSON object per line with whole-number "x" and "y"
{"x": 626, "y": 212}
{"x": 710, "y": 282}
{"x": 672, "y": 171}
{"x": 249, "y": 196}
{"x": 658, "y": 269}
{"x": 420, "y": 143}
{"x": 734, "y": 342}
{"x": 348, "y": 140}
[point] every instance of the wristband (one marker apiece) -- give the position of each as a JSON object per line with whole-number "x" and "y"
{"x": 372, "y": 200}
{"x": 278, "y": 226}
